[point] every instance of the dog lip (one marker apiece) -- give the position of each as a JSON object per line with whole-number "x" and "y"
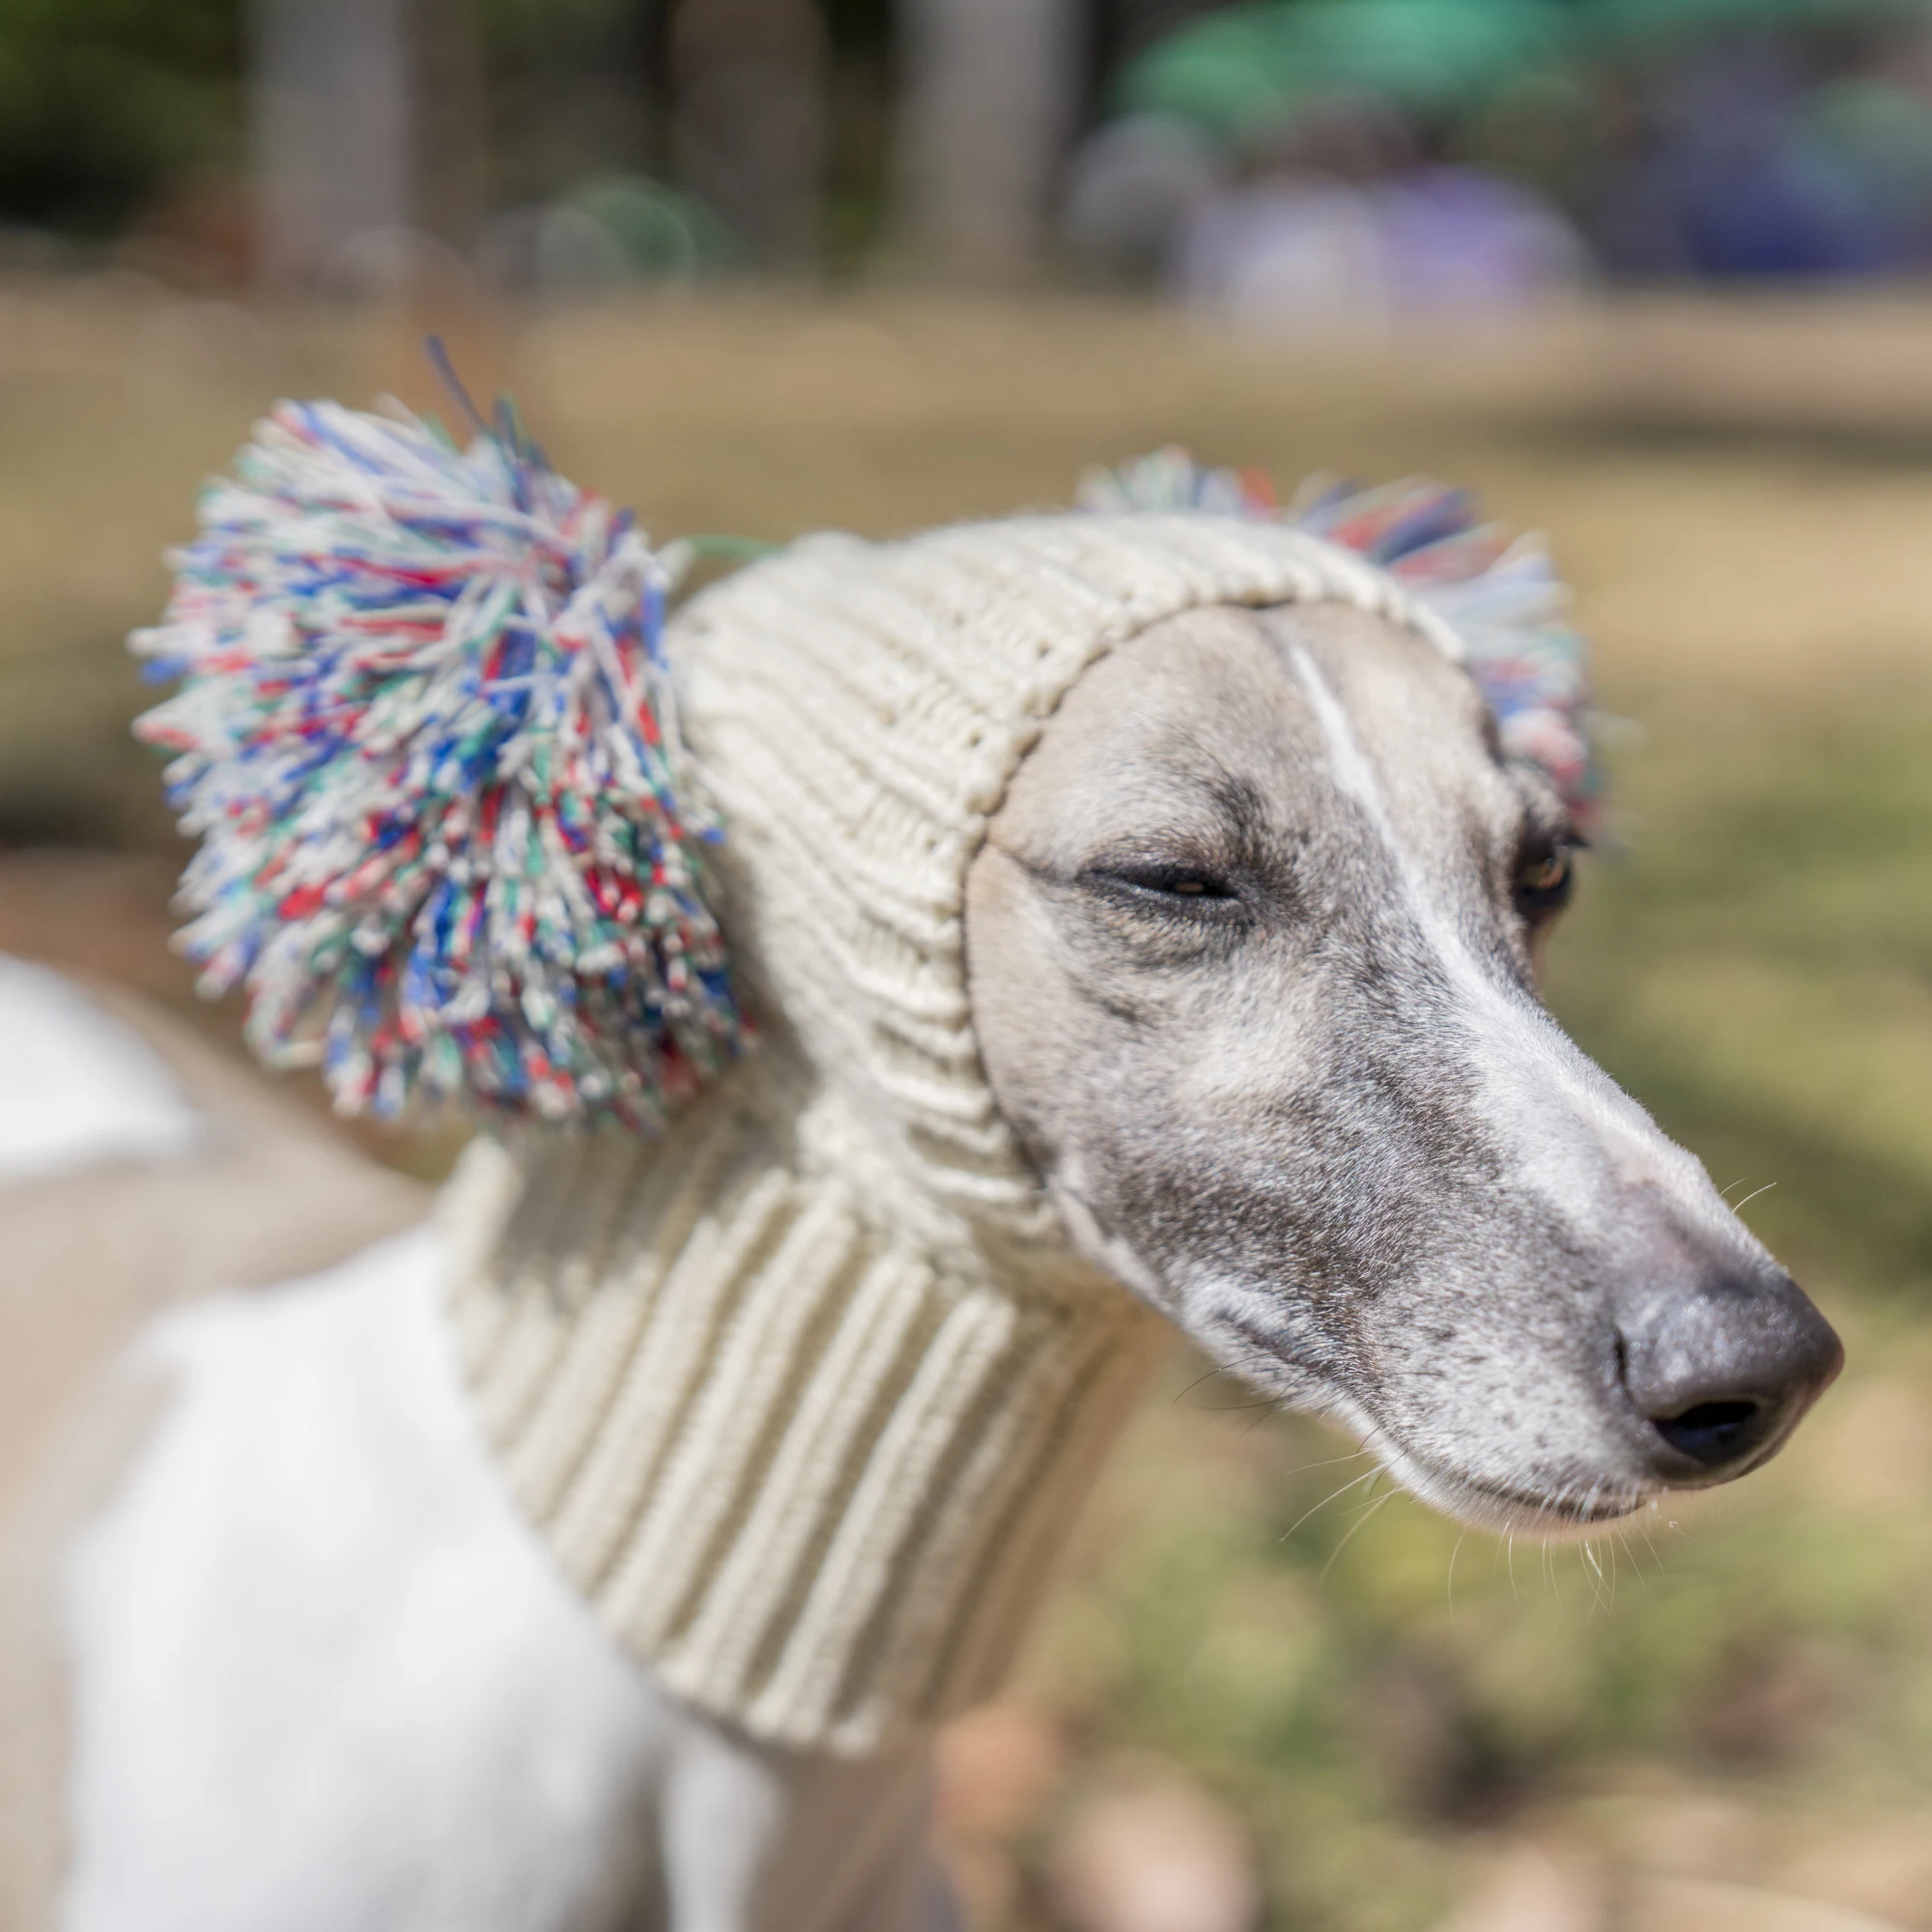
{"x": 1453, "y": 1490}
{"x": 1568, "y": 1509}
{"x": 1431, "y": 1483}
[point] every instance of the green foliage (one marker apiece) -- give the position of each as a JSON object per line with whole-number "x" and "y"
{"x": 102, "y": 100}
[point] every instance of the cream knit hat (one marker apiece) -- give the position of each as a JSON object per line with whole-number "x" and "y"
{"x": 802, "y": 1390}
{"x": 805, "y": 1396}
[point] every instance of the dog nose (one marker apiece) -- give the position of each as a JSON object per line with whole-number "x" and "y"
{"x": 1720, "y": 1377}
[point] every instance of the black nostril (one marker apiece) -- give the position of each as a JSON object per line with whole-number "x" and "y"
{"x": 1715, "y": 1370}
{"x": 1709, "y": 1433}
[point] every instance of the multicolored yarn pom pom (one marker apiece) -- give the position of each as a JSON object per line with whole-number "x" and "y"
{"x": 1498, "y": 591}
{"x": 425, "y": 734}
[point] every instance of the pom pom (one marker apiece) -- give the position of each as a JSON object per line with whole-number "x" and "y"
{"x": 426, "y": 736}
{"x": 1170, "y": 479}
{"x": 1500, "y": 592}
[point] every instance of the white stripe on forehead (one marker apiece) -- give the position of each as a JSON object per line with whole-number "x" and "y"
{"x": 1539, "y": 1084}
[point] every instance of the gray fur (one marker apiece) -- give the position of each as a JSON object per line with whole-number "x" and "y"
{"x": 1324, "y": 1122}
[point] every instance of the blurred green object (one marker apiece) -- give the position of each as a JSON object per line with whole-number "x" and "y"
{"x": 1877, "y": 135}
{"x": 1642, "y": 22}
{"x": 658, "y": 234}
{"x": 1223, "y": 74}
{"x": 1430, "y": 55}
{"x": 1253, "y": 67}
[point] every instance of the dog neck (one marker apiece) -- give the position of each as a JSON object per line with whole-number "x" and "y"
{"x": 808, "y": 1440}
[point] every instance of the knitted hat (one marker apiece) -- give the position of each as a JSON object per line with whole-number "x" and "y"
{"x": 803, "y": 1394}
{"x": 859, "y": 711}
{"x": 804, "y": 1399}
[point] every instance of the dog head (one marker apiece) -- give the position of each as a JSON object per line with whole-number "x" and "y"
{"x": 1251, "y": 945}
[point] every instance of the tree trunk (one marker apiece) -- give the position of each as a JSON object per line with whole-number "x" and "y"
{"x": 748, "y": 79}
{"x": 367, "y": 124}
{"x": 332, "y": 129}
{"x": 991, "y": 91}
{"x": 448, "y": 155}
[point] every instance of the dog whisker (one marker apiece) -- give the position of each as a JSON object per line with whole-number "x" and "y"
{"x": 1369, "y": 1511}
{"x": 1367, "y": 1476}
{"x": 1643, "y": 1531}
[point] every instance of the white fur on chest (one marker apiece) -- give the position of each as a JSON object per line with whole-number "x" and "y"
{"x": 327, "y": 1682}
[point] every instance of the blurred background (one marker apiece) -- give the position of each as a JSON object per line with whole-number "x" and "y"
{"x": 1648, "y": 274}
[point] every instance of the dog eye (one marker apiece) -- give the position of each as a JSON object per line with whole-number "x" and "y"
{"x": 1543, "y": 882}
{"x": 1179, "y": 885}
{"x": 1172, "y": 888}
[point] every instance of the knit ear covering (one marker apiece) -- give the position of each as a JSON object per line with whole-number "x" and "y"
{"x": 425, "y": 734}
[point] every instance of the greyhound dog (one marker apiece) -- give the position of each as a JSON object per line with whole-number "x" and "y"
{"x": 1252, "y": 941}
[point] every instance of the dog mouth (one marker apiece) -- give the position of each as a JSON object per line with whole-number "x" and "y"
{"x": 1562, "y": 1503}
{"x": 1505, "y": 1507}
{"x": 1553, "y": 1507}
{"x": 1557, "y": 1508}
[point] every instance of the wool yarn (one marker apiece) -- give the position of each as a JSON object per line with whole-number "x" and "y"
{"x": 804, "y": 1397}
{"x": 1496, "y": 588}
{"x": 426, "y": 735}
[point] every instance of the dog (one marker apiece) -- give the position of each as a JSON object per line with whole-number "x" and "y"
{"x": 1250, "y": 939}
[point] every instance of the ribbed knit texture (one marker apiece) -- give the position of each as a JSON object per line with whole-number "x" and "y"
{"x": 804, "y": 1397}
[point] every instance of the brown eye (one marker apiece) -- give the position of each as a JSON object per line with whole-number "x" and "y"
{"x": 1156, "y": 887}
{"x": 1180, "y": 885}
{"x": 1543, "y": 883}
